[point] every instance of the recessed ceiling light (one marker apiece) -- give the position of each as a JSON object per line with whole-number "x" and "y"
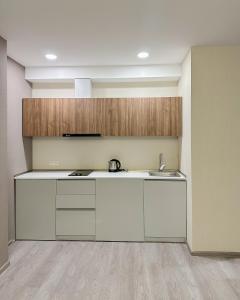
{"x": 143, "y": 54}
{"x": 51, "y": 56}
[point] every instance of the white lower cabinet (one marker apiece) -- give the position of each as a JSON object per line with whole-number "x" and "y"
{"x": 75, "y": 209}
{"x": 119, "y": 210}
{"x": 165, "y": 209}
{"x": 116, "y": 209}
{"x": 75, "y": 222}
{"x": 35, "y": 209}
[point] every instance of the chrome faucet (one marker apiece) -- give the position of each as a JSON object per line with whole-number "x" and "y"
{"x": 162, "y": 164}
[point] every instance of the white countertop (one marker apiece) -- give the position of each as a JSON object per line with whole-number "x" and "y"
{"x": 93, "y": 175}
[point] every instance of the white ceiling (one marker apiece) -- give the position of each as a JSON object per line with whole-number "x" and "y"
{"x": 110, "y": 32}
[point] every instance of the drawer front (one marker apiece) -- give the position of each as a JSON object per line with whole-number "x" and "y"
{"x": 75, "y": 222}
{"x": 75, "y": 187}
{"x": 75, "y": 201}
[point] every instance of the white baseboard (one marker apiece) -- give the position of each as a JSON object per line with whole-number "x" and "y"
{"x": 165, "y": 240}
{"x": 10, "y": 242}
{"x": 4, "y": 266}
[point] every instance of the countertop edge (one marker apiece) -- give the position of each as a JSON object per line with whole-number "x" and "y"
{"x": 52, "y": 176}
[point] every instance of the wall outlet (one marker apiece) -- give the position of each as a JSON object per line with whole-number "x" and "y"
{"x": 54, "y": 163}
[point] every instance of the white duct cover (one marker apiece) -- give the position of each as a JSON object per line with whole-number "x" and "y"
{"x": 83, "y": 88}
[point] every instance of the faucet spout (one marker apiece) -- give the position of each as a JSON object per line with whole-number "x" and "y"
{"x": 162, "y": 164}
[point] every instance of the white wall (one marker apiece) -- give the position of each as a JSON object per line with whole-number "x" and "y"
{"x": 19, "y": 148}
{"x": 185, "y": 140}
{"x": 3, "y": 157}
{"x": 135, "y": 153}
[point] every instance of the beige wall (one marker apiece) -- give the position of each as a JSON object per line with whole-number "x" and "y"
{"x": 135, "y": 89}
{"x": 135, "y": 153}
{"x": 216, "y": 148}
{"x": 185, "y": 140}
{"x": 130, "y": 89}
{"x": 3, "y": 157}
{"x": 52, "y": 90}
{"x": 19, "y": 148}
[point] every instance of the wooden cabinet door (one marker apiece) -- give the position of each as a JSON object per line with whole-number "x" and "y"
{"x": 146, "y": 116}
{"x": 104, "y": 117}
{"x": 167, "y": 115}
{"x": 86, "y": 116}
{"x": 68, "y": 116}
{"x": 109, "y": 117}
{"x": 129, "y": 117}
{"x": 78, "y": 116}
{"x": 41, "y": 117}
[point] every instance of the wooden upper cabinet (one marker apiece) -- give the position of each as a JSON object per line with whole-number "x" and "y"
{"x": 109, "y": 117}
{"x": 85, "y": 116}
{"x": 146, "y": 117}
{"x": 41, "y": 117}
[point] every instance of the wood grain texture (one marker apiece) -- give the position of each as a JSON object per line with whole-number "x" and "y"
{"x": 109, "y": 116}
{"x": 65, "y": 270}
{"x": 41, "y": 117}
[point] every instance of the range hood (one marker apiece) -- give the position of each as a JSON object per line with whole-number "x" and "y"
{"x": 81, "y": 134}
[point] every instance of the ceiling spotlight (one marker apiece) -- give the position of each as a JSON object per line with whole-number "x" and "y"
{"x": 51, "y": 56}
{"x": 143, "y": 54}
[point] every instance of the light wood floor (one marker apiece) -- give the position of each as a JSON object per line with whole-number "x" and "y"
{"x": 126, "y": 271}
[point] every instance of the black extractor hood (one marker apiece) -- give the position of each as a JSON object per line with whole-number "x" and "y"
{"x": 81, "y": 135}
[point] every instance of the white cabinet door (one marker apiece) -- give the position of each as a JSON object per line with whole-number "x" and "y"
{"x": 75, "y": 222}
{"x": 35, "y": 209}
{"x": 119, "y": 210}
{"x": 165, "y": 209}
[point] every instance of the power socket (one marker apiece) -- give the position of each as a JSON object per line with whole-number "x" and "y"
{"x": 54, "y": 163}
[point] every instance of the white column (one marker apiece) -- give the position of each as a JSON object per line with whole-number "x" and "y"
{"x": 83, "y": 88}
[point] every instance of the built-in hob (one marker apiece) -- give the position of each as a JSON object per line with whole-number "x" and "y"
{"x": 81, "y": 173}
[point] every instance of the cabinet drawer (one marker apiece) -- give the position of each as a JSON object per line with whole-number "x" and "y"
{"x": 75, "y": 201}
{"x": 75, "y": 187}
{"x": 75, "y": 222}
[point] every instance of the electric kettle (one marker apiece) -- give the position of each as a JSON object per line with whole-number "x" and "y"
{"x": 114, "y": 165}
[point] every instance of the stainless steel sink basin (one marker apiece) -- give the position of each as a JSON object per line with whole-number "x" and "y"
{"x": 165, "y": 173}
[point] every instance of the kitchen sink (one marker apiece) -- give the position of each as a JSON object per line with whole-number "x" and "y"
{"x": 165, "y": 173}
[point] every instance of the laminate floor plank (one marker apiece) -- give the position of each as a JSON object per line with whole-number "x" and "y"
{"x": 78, "y": 270}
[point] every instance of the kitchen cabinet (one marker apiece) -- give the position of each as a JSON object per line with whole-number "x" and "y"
{"x": 105, "y": 209}
{"x": 74, "y": 222}
{"x": 75, "y": 209}
{"x": 75, "y": 201}
{"x": 82, "y": 116}
{"x": 147, "y": 117}
{"x": 160, "y": 116}
{"x": 76, "y": 187}
{"x": 41, "y": 117}
{"x": 35, "y": 209}
{"x": 119, "y": 210}
{"x": 165, "y": 209}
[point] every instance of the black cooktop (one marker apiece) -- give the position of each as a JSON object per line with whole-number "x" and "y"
{"x": 81, "y": 173}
